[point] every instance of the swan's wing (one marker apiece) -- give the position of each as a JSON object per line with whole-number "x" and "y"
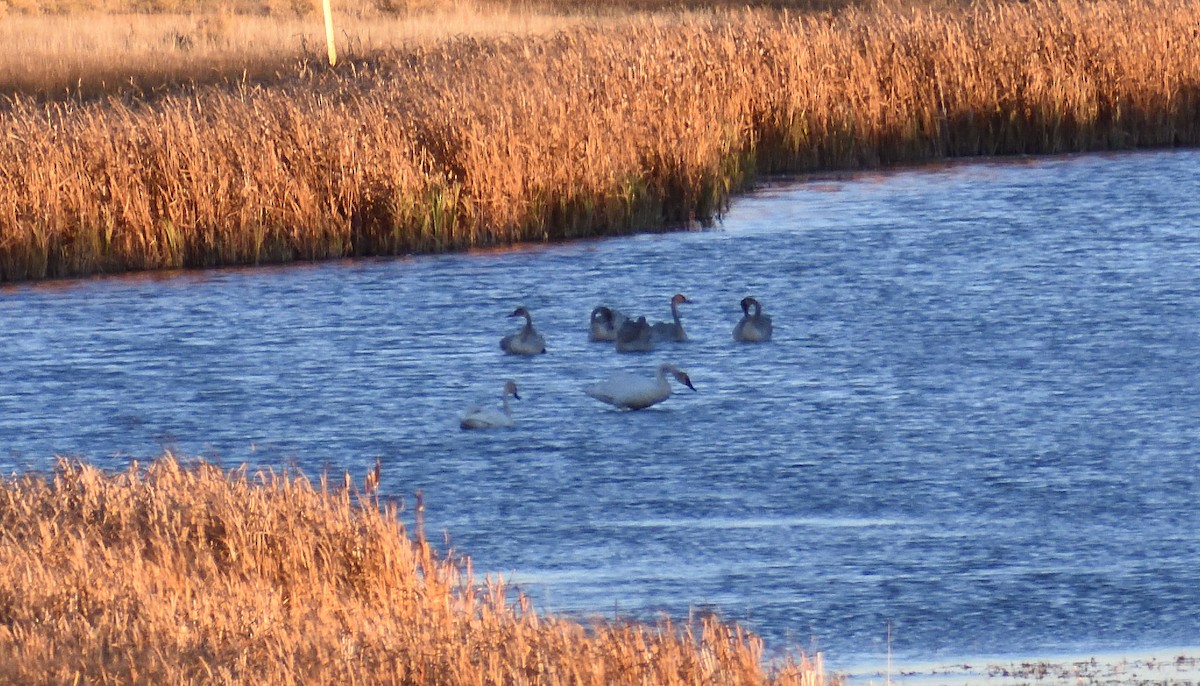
{"x": 523, "y": 344}
{"x": 599, "y": 392}
{"x": 763, "y": 324}
{"x": 532, "y": 342}
{"x": 472, "y": 423}
{"x": 613, "y": 389}
{"x": 627, "y": 331}
{"x": 668, "y": 331}
{"x": 485, "y": 418}
{"x": 469, "y": 419}
{"x": 628, "y": 390}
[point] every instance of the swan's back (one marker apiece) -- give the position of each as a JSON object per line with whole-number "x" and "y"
{"x": 633, "y": 392}
{"x": 523, "y": 343}
{"x": 635, "y": 336}
{"x": 753, "y": 329}
{"x": 480, "y": 417}
{"x": 629, "y": 391}
{"x": 668, "y": 331}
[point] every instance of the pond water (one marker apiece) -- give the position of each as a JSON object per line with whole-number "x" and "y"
{"x": 977, "y": 428}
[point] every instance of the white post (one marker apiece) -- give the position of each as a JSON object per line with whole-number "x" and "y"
{"x": 329, "y": 32}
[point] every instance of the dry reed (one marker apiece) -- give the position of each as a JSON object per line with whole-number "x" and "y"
{"x": 138, "y": 55}
{"x": 168, "y": 573}
{"x": 643, "y": 124}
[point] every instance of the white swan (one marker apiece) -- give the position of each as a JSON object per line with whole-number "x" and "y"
{"x": 526, "y": 341}
{"x": 635, "y": 337}
{"x": 605, "y": 322}
{"x": 673, "y": 330}
{"x": 630, "y": 391}
{"x": 753, "y": 328}
{"x": 479, "y": 417}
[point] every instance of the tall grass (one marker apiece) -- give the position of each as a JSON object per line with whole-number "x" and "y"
{"x": 642, "y": 124}
{"x": 394, "y": 8}
{"x": 174, "y": 574}
{"x": 140, "y": 55}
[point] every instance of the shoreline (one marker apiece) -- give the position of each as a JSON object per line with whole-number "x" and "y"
{"x": 1171, "y": 665}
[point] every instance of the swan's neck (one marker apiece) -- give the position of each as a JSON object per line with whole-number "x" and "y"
{"x": 504, "y": 401}
{"x": 528, "y": 324}
{"x": 662, "y": 374}
{"x": 757, "y": 309}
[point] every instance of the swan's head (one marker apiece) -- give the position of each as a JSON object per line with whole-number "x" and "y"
{"x": 680, "y": 299}
{"x": 520, "y": 312}
{"x": 510, "y": 388}
{"x": 682, "y": 377}
{"x": 748, "y": 302}
{"x": 602, "y": 314}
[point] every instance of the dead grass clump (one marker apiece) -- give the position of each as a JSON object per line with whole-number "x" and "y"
{"x": 641, "y": 124}
{"x": 174, "y": 574}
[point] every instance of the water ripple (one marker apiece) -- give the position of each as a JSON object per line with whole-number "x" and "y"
{"x": 977, "y": 423}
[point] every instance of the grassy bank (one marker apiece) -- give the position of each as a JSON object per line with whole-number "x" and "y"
{"x": 643, "y": 123}
{"x": 175, "y": 574}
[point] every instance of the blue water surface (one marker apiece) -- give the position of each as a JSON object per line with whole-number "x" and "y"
{"x": 976, "y": 428}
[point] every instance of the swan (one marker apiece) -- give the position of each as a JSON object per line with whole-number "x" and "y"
{"x": 672, "y": 331}
{"x": 479, "y": 417}
{"x": 753, "y": 328}
{"x": 526, "y": 341}
{"x": 630, "y": 391}
{"x": 635, "y": 337}
{"x": 605, "y": 322}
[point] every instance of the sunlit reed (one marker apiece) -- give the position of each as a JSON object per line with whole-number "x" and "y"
{"x": 85, "y": 55}
{"x": 644, "y": 123}
{"x": 169, "y": 574}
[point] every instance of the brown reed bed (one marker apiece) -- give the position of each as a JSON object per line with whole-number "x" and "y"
{"x": 136, "y": 56}
{"x": 647, "y": 123}
{"x": 173, "y": 574}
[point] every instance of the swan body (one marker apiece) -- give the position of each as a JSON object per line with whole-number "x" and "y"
{"x": 753, "y": 328}
{"x": 672, "y": 330}
{"x": 635, "y": 337}
{"x": 605, "y": 322}
{"x": 527, "y": 341}
{"x": 633, "y": 392}
{"x": 479, "y": 417}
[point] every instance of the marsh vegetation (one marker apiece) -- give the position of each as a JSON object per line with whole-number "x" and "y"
{"x": 177, "y": 573}
{"x": 168, "y": 140}
{"x": 605, "y": 125}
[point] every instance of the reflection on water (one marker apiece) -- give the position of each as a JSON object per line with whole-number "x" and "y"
{"x": 977, "y": 423}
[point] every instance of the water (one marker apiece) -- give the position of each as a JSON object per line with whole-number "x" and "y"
{"x": 978, "y": 423}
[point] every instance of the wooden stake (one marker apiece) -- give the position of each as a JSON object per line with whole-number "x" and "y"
{"x": 329, "y": 32}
